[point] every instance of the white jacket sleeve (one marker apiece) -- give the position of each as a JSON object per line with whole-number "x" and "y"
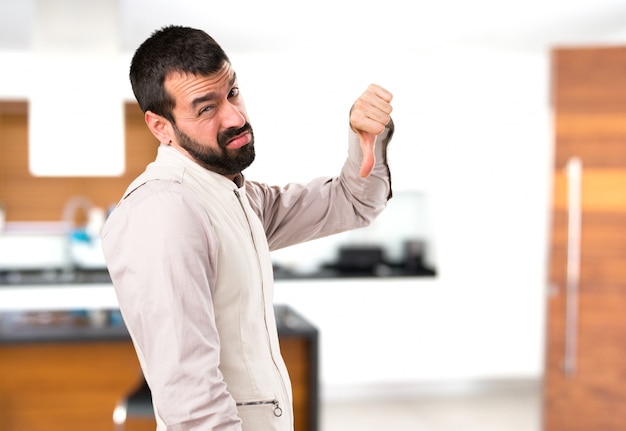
{"x": 326, "y": 205}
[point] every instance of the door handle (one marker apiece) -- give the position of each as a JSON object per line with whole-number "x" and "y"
{"x": 574, "y": 171}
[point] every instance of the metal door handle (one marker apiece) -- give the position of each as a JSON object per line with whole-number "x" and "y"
{"x": 574, "y": 227}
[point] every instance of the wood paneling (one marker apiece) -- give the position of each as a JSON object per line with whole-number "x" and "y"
{"x": 296, "y": 352}
{"x": 593, "y": 397}
{"x": 75, "y": 386}
{"x": 66, "y": 386}
{"x": 29, "y": 198}
{"x": 603, "y": 189}
{"x": 586, "y": 79}
{"x": 590, "y": 123}
{"x": 599, "y": 137}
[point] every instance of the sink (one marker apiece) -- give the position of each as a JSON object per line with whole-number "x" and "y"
{"x": 33, "y": 246}
{"x": 47, "y": 246}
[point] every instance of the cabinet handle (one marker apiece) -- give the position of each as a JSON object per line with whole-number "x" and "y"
{"x": 574, "y": 226}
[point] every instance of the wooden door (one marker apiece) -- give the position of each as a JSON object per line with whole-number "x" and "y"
{"x": 585, "y": 380}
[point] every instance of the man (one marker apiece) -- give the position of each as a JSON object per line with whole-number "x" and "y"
{"x": 188, "y": 246}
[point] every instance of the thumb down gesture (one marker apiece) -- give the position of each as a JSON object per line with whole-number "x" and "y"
{"x": 368, "y": 117}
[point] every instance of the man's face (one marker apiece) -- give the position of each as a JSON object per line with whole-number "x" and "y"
{"x": 211, "y": 122}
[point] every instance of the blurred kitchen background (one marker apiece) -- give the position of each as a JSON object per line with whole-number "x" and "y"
{"x": 432, "y": 318}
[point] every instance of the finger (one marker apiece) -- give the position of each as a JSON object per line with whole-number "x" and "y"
{"x": 370, "y": 115}
{"x": 367, "y": 141}
{"x": 368, "y": 121}
{"x": 380, "y": 92}
{"x": 378, "y": 99}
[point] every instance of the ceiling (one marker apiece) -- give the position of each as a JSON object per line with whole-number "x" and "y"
{"x": 252, "y": 25}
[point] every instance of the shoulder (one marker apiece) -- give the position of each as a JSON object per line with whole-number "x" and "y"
{"x": 157, "y": 205}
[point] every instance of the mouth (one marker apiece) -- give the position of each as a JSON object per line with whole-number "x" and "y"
{"x": 239, "y": 141}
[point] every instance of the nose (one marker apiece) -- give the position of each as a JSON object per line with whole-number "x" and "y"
{"x": 233, "y": 115}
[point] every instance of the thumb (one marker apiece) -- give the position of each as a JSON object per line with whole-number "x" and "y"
{"x": 367, "y": 141}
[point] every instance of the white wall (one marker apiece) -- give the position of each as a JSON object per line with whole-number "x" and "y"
{"x": 473, "y": 132}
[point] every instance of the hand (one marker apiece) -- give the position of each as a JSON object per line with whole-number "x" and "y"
{"x": 368, "y": 118}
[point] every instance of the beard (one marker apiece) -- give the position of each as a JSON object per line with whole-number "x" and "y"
{"x": 220, "y": 160}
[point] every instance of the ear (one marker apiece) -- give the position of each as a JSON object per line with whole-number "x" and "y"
{"x": 159, "y": 126}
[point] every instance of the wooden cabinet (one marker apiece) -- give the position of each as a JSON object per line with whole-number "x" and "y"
{"x": 585, "y": 380}
{"x": 299, "y": 346}
{"x": 70, "y": 378}
{"x": 70, "y": 386}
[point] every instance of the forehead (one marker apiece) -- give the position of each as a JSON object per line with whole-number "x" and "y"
{"x": 185, "y": 87}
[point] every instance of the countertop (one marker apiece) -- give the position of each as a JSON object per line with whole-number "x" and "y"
{"x": 101, "y": 275}
{"x": 43, "y": 326}
{"x": 61, "y": 326}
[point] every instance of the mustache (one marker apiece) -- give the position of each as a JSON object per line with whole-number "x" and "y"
{"x": 228, "y": 134}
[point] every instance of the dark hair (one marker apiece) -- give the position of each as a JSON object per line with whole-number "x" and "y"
{"x": 171, "y": 49}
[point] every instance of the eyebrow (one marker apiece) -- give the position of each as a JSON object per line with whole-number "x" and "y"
{"x": 212, "y": 95}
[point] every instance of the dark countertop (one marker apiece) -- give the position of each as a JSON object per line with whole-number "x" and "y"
{"x": 59, "y": 326}
{"x": 332, "y": 272}
{"x": 67, "y": 326}
{"x": 101, "y": 276}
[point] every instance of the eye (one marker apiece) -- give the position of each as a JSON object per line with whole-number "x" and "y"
{"x": 234, "y": 92}
{"x": 206, "y": 109}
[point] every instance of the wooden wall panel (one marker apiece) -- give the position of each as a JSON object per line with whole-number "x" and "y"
{"x": 603, "y": 189}
{"x": 585, "y": 79}
{"x": 29, "y": 198}
{"x": 590, "y": 124}
{"x": 598, "y": 137}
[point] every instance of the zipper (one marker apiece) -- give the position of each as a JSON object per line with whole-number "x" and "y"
{"x": 278, "y": 412}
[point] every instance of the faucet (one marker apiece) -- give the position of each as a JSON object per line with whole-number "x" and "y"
{"x": 83, "y": 242}
{"x": 72, "y": 205}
